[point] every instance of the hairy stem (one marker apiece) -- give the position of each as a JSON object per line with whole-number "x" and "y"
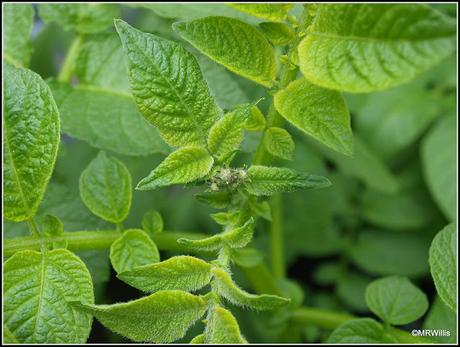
{"x": 67, "y": 69}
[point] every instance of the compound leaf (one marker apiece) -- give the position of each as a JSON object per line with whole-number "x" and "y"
{"x": 164, "y": 316}
{"x": 177, "y": 273}
{"x": 443, "y": 264}
{"x": 17, "y": 28}
{"x": 185, "y": 165}
{"x": 271, "y": 12}
{"x": 222, "y": 328}
{"x": 105, "y": 188}
{"x": 38, "y": 289}
{"x": 278, "y": 142}
{"x": 30, "y": 143}
{"x": 373, "y": 46}
{"x": 265, "y": 180}
{"x": 133, "y": 249}
{"x": 396, "y": 300}
{"x": 320, "y": 113}
{"x": 168, "y": 87}
{"x": 234, "y": 44}
{"x": 360, "y": 330}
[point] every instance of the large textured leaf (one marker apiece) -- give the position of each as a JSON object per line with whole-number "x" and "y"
{"x": 168, "y": 87}
{"x": 443, "y": 264}
{"x": 368, "y": 47}
{"x": 439, "y": 153}
{"x": 17, "y": 28}
{"x": 30, "y": 142}
{"x": 177, "y": 273}
{"x": 320, "y": 113}
{"x": 277, "y": 33}
{"x": 360, "y": 330}
{"x": 278, "y": 142}
{"x": 236, "y": 45}
{"x": 164, "y": 316}
{"x": 222, "y": 328}
{"x": 38, "y": 289}
{"x": 105, "y": 188}
{"x": 265, "y": 180}
{"x": 185, "y": 165}
{"x": 272, "y": 12}
{"x": 133, "y": 249}
{"x": 396, "y": 300}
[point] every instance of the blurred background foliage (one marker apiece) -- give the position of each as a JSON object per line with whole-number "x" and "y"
{"x": 377, "y": 219}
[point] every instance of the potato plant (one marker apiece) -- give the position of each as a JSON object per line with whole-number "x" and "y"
{"x": 188, "y": 173}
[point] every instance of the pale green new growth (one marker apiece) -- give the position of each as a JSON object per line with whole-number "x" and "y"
{"x": 234, "y": 44}
{"x": 373, "y": 46}
{"x": 277, "y": 33}
{"x": 177, "y": 273}
{"x": 17, "y": 27}
{"x": 52, "y": 226}
{"x": 256, "y": 120}
{"x": 30, "y": 141}
{"x": 168, "y": 86}
{"x": 105, "y": 188}
{"x": 361, "y": 330}
{"x": 222, "y": 328}
{"x": 320, "y": 113}
{"x": 278, "y": 142}
{"x": 162, "y": 317}
{"x": 152, "y": 222}
{"x": 396, "y": 300}
{"x": 230, "y": 291}
{"x": 272, "y": 12}
{"x": 211, "y": 243}
{"x": 197, "y": 340}
{"x": 443, "y": 264}
{"x": 185, "y": 165}
{"x": 239, "y": 237}
{"x": 265, "y": 180}
{"x": 133, "y": 249}
{"x": 38, "y": 289}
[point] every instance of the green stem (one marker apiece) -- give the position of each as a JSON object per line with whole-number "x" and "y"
{"x": 276, "y": 237}
{"x": 33, "y": 227}
{"x": 65, "y": 75}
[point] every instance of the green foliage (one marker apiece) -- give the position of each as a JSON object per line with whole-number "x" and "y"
{"x": 279, "y": 143}
{"x": 152, "y": 222}
{"x": 361, "y": 330}
{"x": 222, "y": 328}
{"x": 441, "y": 317}
{"x": 272, "y": 12}
{"x": 17, "y": 28}
{"x": 277, "y": 33}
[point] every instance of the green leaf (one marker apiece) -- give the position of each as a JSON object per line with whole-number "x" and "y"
{"x": 8, "y": 336}
{"x": 226, "y": 218}
{"x": 197, "y": 340}
{"x": 371, "y": 48}
{"x": 234, "y": 44}
{"x": 265, "y": 180}
{"x": 133, "y": 249}
{"x": 350, "y": 289}
{"x": 30, "y": 142}
{"x": 278, "y": 142}
{"x": 52, "y": 226}
{"x": 256, "y": 120}
{"x": 439, "y": 155}
{"x": 229, "y": 290}
{"x": 211, "y": 243}
{"x": 222, "y": 328}
{"x": 152, "y": 222}
{"x": 17, "y": 27}
{"x": 441, "y": 317}
{"x": 168, "y": 87}
{"x": 277, "y": 33}
{"x": 396, "y": 300}
{"x": 177, "y": 273}
{"x": 38, "y": 289}
{"x": 443, "y": 265}
{"x": 239, "y": 237}
{"x": 272, "y": 12}
{"x": 185, "y": 165}
{"x": 105, "y": 188}
{"x": 360, "y": 330}
{"x": 226, "y": 134}
{"x": 215, "y": 199}
{"x": 164, "y": 316}
{"x": 320, "y": 113}
{"x": 84, "y": 18}
{"x": 247, "y": 257}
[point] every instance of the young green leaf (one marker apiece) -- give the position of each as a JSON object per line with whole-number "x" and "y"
{"x": 396, "y": 300}
{"x": 247, "y": 257}
{"x": 133, "y": 249}
{"x": 30, "y": 142}
{"x": 105, "y": 188}
{"x": 234, "y": 44}
{"x": 17, "y": 27}
{"x": 320, "y": 113}
{"x": 265, "y": 180}
{"x": 52, "y": 226}
{"x": 229, "y": 290}
{"x": 438, "y": 157}
{"x": 152, "y": 222}
{"x": 360, "y": 330}
{"x": 226, "y": 218}
{"x": 185, "y": 165}
{"x": 177, "y": 273}
{"x": 443, "y": 264}
{"x": 168, "y": 87}
{"x": 226, "y": 134}
{"x": 371, "y": 48}
{"x": 211, "y": 243}
{"x": 272, "y": 12}
{"x": 222, "y": 328}
{"x": 215, "y": 199}
{"x": 277, "y": 33}
{"x": 239, "y": 237}
{"x": 38, "y": 289}
{"x": 256, "y": 120}
{"x": 278, "y": 142}
{"x": 161, "y": 317}
{"x": 197, "y": 340}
